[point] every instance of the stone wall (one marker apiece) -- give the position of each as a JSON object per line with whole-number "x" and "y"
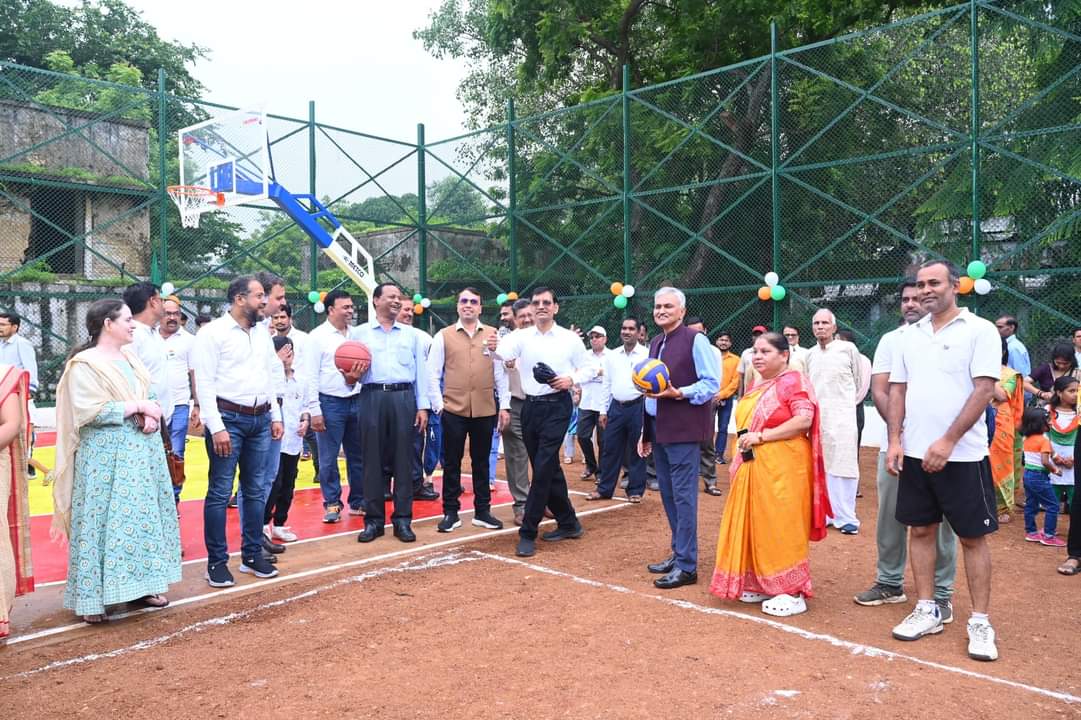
{"x": 125, "y": 242}
{"x": 403, "y": 261}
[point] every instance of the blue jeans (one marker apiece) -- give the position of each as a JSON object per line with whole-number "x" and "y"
{"x": 724, "y": 413}
{"x": 1039, "y": 491}
{"x": 433, "y": 448}
{"x": 342, "y": 418}
{"x": 266, "y": 479}
{"x": 493, "y": 456}
{"x": 677, "y": 474}
{"x": 621, "y": 436}
{"x": 178, "y": 435}
{"x": 250, "y": 437}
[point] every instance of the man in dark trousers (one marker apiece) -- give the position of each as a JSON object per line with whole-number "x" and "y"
{"x": 551, "y": 360}
{"x": 678, "y": 420}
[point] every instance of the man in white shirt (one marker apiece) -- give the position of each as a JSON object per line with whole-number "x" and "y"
{"x": 591, "y": 406}
{"x": 235, "y": 379}
{"x": 797, "y": 356}
{"x": 891, "y": 536}
{"x": 305, "y": 367}
{"x": 422, "y": 488}
{"x": 145, "y": 304}
{"x": 940, "y": 384}
{"x": 336, "y": 415}
{"x": 621, "y": 421}
{"x": 178, "y": 344}
{"x": 558, "y": 357}
{"x": 514, "y": 450}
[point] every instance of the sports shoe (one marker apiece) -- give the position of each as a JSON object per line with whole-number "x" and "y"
{"x": 981, "y": 641}
{"x": 487, "y": 520}
{"x": 448, "y": 523}
{"x": 945, "y": 610}
{"x": 258, "y": 567}
{"x": 563, "y": 534}
{"x": 283, "y": 533}
{"x": 356, "y": 511}
{"x": 919, "y": 622}
{"x": 232, "y": 501}
{"x": 849, "y": 529}
{"x": 1033, "y": 536}
{"x": 333, "y": 514}
{"x": 219, "y": 576}
{"x": 1052, "y": 541}
{"x": 880, "y": 594}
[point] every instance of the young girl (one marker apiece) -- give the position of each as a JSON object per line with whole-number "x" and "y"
{"x": 1038, "y": 463}
{"x": 1063, "y": 415}
{"x": 295, "y": 417}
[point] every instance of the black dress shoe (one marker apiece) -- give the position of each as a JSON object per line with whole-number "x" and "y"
{"x": 563, "y": 534}
{"x": 269, "y": 557}
{"x": 663, "y": 567}
{"x": 676, "y": 578}
{"x": 426, "y": 493}
{"x": 526, "y": 547}
{"x": 370, "y": 532}
{"x": 272, "y": 547}
{"x": 403, "y": 532}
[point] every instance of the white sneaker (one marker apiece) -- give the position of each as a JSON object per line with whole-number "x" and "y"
{"x": 283, "y": 533}
{"x": 919, "y": 622}
{"x": 981, "y": 641}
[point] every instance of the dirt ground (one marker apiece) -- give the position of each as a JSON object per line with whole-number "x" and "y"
{"x": 456, "y": 627}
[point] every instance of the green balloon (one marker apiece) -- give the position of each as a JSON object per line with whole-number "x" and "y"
{"x": 500, "y": 298}
{"x": 619, "y": 301}
{"x": 417, "y": 297}
{"x": 777, "y": 292}
{"x": 313, "y": 297}
{"x": 976, "y": 269}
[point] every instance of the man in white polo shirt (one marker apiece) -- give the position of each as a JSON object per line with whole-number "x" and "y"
{"x": 590, "y": 408}
{"x": 940, "y": 384}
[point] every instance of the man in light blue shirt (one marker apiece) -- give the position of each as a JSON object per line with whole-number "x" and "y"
{"x": 17, "y": 350}
{"x": 393, "y": 407}
{"x": 1017, "y": 353}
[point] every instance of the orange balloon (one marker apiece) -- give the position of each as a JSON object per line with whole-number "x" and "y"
{"x": 764, "y": 292}
{"x": 512, "y": 295}
{"x": 322, "y": 296}
{"x": 418, "y": 309}
{"x": 966, "y": 285}
{"x": 616, "y": 288}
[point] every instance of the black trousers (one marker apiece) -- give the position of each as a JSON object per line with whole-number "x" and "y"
{"x": 456, "y": 428}
{"x": 386, "y": 431}
{"x": 587, "y": 423}
{"x": 544, "y": 426}
{"x": 417, "y": 477}
{"x": 281, "y": 492}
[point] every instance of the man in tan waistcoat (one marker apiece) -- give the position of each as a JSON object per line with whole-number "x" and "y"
{"x": 461, "y": 358}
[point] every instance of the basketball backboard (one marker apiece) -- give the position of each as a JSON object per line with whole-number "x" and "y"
{"x": 228, "y": 155}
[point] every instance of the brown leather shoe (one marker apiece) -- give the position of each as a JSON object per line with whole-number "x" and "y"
{"x": 519, "y": 516}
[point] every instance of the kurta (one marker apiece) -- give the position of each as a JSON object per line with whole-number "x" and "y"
{"x": 125, "y": 540}
{"x": 835, "y": 374}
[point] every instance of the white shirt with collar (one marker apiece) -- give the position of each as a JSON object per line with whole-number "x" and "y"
{"x": 437, "y": 364}
{"x": 150, "y": 347}
{"x": 593, "y": 397}
{"x": 305, "y": 366}
{"x": 618, "y": 371}
{"x": 323, "y": 342}
{"x": 294, "y": 404}
{"x": 888, "y": 346}
{"x": 938, "y": 369}
{"x": 560, "y": 348}
{"x": 178, "y": 354}
{"x": 236, "y": 365}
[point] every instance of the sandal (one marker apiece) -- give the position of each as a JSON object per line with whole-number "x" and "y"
{"x": 597, "y": 496}
{"x": 94, "y": 619}
{"x": 1004, "y": 519}
{"x": 712, "y": 490}
{"x": 785, "y": 605}
{"x": 749, "y": 596}
{"x": 1072, "y": 566}
{"x": 154, "y": 601}
{"x": 634, "y": 499}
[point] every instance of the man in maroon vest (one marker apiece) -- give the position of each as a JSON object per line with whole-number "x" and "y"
{"x": 677, "y": 421}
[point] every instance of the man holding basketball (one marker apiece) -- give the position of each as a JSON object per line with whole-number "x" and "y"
{"x": 551, "y": 360}
{"x": 336, "y": 417}
{"x": 677, "y": 421}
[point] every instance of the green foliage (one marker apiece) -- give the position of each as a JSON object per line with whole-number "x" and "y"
{"x": 454, "y": 201}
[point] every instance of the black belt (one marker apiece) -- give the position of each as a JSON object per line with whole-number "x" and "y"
{"x": 550, "y": 397}
{"x": 389, "y": 387}
{"x": 253, "y": 410}
{"x": 629, "y": 402}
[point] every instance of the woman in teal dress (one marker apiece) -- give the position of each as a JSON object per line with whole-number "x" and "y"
{"x": 113, "y": 495}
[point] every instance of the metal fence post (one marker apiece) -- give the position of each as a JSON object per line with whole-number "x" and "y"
{"x": 626, "y": 177}
{"x": 512, "y": 199}
{"x": 313, "y": 247}
{"x": 975, "y": 139}
{"x": 775, "y": 161}
{"x": 159, "y": 269}
{"x": 422, "y": 215}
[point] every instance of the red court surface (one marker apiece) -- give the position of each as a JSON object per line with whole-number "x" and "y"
{"x": 305, "y": 519}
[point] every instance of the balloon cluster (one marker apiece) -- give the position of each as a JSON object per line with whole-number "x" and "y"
{"x": 772, "y": 290}
{"x": 975, "y": 280}
{"x": 420, "y": 304}
{"x": 504, "y": 297}
{"x": 316, "y": 299}
{"x": 167, "y": 288}
{"x": 622, "y": 293}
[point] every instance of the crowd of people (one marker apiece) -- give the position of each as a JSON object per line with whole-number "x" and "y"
{"x": 967, "y": 420}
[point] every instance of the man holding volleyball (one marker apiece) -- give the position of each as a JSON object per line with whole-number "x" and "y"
{"x": 678, "y": 419}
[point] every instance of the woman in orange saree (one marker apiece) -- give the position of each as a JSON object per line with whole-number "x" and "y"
{"x": 1009, "y": 404}
{"x": 777, "y": 501}
{"x": 16, "y": 575}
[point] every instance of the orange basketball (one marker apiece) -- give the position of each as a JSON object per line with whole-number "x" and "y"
{"x": 350, "y": 352}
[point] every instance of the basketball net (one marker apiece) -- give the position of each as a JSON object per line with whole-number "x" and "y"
{"x": 193, "y": 200}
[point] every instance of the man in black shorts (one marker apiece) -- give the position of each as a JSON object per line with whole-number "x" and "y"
{"x": 940, "y": 383}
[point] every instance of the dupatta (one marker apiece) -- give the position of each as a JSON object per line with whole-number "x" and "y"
{"x": 16, "y": 381}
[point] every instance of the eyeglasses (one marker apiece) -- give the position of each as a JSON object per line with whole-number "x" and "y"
{"x": 172, "y": 313}
{"x": 595, "y": 335}
{"x": 791, "y": 334}
{"x": 468, "y": 301}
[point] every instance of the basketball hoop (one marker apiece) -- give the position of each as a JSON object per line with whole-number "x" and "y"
{"x": 193, "y": 200}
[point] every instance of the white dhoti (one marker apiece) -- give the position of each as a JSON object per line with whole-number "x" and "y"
{"x": 842, "y": 492}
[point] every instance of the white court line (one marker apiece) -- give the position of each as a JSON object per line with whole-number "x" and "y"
{"x": 48, "y": 632}
{"x": 853, "y": 647}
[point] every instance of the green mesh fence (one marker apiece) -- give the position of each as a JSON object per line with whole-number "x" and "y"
{"x": 840, "y": 166}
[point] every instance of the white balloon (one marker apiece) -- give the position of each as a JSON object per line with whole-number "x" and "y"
{"x": 425, "y": 303}
{"x": 982, "y": 286}
{"x": 319, "y": 307}
{"x": 771, "y": 278}
{"x": 628, "y": 291}
{"x": 168, "y": 288}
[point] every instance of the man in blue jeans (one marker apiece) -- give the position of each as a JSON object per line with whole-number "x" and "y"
{"x": 336, "y": 418}
{"x": 235, "y": 368}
